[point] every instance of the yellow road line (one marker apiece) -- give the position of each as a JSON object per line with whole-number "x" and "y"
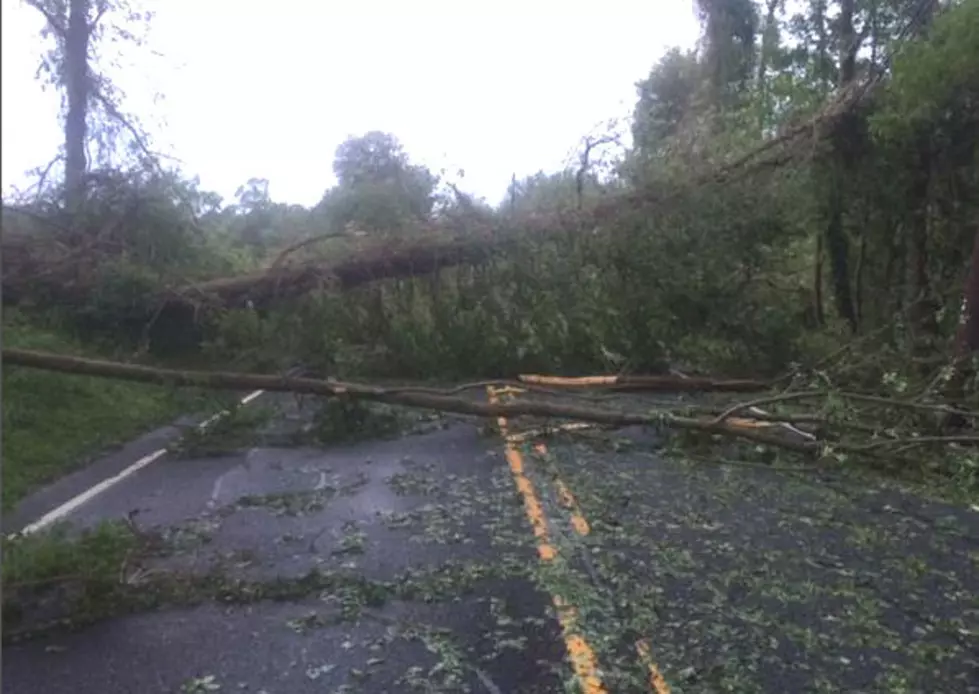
{"x": 656, "y": 680}
{"x": 578, "y": 521}
{"x": 582, "y": 657}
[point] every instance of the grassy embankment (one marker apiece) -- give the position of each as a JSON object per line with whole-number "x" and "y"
{"x": 54, "y": 423}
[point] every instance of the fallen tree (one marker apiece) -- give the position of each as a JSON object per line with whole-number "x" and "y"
{"x": 427, "y": 398}
{"x": 64, "y": 266}
{"x": 478, "y": 244}
{"x": 757, "y": 429}
{"x": 286, "y": 281}
{"x": 674, "y": 384}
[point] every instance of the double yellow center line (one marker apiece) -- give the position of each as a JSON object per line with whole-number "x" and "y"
{"x": 580, "y": 653}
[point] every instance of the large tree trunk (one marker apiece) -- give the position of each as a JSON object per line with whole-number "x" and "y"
{"x": 817, "y": 283}
{"x": 966, "y": 339}
{"x": 77, "y": 87}
{"x": 844, "y": 138}
{"x": 838, "y": 246}
{"x": 769, "y": 41}
{"x": 924, "y": 307}
{"x": 968, "y": 333}
{"x": 858, "y": 278}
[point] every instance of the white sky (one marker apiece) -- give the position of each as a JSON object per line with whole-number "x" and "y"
{"x": 259, "y": 89}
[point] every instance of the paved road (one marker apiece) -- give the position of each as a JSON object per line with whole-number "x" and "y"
{"x": 450, "y": 560}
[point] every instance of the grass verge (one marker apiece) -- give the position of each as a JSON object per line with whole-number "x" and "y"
{"x": 53, "y": 423}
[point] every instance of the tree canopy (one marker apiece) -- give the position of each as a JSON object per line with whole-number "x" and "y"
{"x": 378, "y": 188}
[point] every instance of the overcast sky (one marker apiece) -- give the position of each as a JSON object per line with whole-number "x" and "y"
{"x": 258, "y": 89}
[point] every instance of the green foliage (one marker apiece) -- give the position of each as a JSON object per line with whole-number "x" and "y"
{"x": 935, "y": 79}
{"x": 342, "y": 421}
{"x": 378, "y": 188}
{"x": 729, "y": 32}
{"x": 53, "y": 422}
{"x": 236, "y": 336}
{"x": 245, "y": 339}
{"x": 120, "y": 299}
{"x": 48, "y": 563}
{"x": 255, "y": 225}
{"x": 716, "y": 277}
{"x": 665, "y": 99}
{"x": 547, "y": 193}
{"x": 232, "y": 431}
{"x": 650, "y": 287}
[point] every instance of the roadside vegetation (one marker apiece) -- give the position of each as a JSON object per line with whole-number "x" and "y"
{"x": 53, "y": 424}
{"x": 796, "y": 203}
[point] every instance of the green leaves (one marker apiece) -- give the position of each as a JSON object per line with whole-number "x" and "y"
{"x": 936, "y": 78}
{"x": 378, "y": 188}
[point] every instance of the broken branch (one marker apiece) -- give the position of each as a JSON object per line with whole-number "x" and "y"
{"x": 434, "y": 400}
{"x": 684, "y": 384}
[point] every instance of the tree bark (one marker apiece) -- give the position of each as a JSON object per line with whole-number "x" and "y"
{"x": 817, "y": 283}
{"x": 843, "y": 141}
{"x": 967, "y": 335}
{"x": 924, "y": 307}
{"x": 769, "y": 41}
{"x": 285, "y": 282}
{"x": 858, "y": 278}
{"x": 77, "y": 86}
{"x": 838, "y": 246}
{"x": 444, "y": 400}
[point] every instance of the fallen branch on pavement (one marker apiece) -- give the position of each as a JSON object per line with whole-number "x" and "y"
{"x": 754, "y": 425}
{"x": 432, "y": 399}
{"x": 673, "y": 384}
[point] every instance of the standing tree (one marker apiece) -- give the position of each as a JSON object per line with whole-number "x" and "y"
{"x": 844, "y": 141}
{"x": 378, "y": 188}
{"x": 729, "y": 32}
{"x": 665, "y": 99}
{"x": 91, "y": 103}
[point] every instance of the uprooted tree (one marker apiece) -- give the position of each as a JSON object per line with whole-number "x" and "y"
{"x": 825, "y": 150}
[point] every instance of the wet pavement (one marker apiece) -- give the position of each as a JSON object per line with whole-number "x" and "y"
{"x": 434, "y": 561}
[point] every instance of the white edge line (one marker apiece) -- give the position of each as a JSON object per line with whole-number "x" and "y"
{"x": 66, "y": 508}
{"x": 251, "y": 396}
{"x": 70, "y": 505}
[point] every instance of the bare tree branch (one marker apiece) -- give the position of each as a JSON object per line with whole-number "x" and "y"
{"x": 58, "y": 26}
{"x": 95, "y": 22}
{"x": 112, "y": 110}
{"x": 433, "y": 400}
{"x": 579, "y": 176}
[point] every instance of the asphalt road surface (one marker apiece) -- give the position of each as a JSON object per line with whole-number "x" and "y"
{"x": 452, "y": 558}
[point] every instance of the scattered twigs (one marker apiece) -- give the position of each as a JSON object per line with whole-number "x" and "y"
{"x": 834, "y": 356}
{"x": 856, "y": 397}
